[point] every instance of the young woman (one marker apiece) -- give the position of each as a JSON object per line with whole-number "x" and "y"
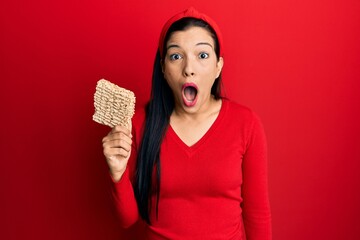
{"x": 194, "y": 164}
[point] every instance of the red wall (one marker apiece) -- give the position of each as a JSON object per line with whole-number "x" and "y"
{"x": 296, "y": 63}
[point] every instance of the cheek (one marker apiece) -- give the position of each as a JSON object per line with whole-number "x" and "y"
{"x": 170, "y": 79}
{"x": 210, "y": 72}
{"x": 210, "y": 67}
{"x": 170, "y": 74}
{"x": 209, "y": 77}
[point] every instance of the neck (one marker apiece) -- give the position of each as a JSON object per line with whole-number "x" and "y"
{"x": 209, "y": 107}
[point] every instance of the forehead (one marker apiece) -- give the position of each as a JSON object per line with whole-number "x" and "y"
{"x": 191, "y": 35}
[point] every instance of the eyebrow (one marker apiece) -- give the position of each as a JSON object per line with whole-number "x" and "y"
{"x": 198, "y": 44}
{"x": 172, "y": 46}
{"x": 204, "y": 43}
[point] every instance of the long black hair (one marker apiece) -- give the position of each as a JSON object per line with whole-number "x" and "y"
{"x": 158, "y": 112}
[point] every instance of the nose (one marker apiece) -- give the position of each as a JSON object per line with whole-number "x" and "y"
{"x": 189, "y": 69}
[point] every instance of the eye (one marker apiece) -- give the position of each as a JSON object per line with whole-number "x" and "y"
{"x": 203, "y": 55}
{"x": 175, "y": 56}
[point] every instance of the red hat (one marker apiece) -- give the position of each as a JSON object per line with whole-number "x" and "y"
{"x": 193, "y": 13}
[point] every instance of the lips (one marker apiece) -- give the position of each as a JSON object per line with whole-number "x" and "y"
{"x": 189, "y": 93}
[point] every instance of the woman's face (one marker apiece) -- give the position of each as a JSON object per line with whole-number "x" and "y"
{"x": 190, "y": 67}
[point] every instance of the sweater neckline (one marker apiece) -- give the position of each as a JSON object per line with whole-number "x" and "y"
{"x": 207, "y": 134}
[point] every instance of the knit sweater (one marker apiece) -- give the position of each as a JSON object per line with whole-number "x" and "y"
{"x": 214, "y": 189}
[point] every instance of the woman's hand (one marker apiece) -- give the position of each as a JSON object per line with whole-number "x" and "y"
{"x": 117, "y": 150}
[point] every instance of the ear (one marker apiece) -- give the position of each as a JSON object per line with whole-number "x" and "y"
{"x": 219, "y": 66}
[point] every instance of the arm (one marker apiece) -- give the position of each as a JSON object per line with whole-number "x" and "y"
{"x": 120, "y": 155}
{"x": 124, "y": 200}
{"x": 256, "y": 207}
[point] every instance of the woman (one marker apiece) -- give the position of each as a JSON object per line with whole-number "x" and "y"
{"x": 194, "y": 165}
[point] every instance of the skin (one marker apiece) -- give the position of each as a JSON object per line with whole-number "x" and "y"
{"x": 190, "y": 58}
{"x": 117, "y": 149}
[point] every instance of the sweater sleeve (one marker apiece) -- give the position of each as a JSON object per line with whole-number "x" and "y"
{"x": 125, "y": 202}
{"x": 256, "y": 207}
{"x": 123, "y": 193}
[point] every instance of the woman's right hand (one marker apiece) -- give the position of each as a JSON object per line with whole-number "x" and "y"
{"x": 117, "y": 150}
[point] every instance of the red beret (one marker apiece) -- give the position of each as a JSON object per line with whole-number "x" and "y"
{"x": 193, "y": 13}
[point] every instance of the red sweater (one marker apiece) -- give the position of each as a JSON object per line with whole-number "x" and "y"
{"x": 215, "y": 189}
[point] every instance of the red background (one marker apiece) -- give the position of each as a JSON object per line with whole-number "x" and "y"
{"x": 296, "y": 63}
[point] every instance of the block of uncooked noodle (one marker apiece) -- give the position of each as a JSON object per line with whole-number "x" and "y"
{"x": 113, "y": 105}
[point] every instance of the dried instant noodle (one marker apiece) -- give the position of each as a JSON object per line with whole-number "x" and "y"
{"x": 113, "y": 105}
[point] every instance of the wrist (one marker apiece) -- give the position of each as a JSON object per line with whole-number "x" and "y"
{"x": 116, "y": 175}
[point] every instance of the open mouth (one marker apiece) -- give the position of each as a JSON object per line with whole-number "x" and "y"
{"x": 190, "y": 91}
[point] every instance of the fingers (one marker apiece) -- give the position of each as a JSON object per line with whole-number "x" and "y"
{"x": 119, "y": 132}
{"x": 119, "y": 128}
{"x": 117, "y": 142}
{"x": 117, "y": 139}
{"x": 119, "y": 152}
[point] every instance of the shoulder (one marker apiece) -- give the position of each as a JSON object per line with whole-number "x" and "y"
{"x": 242, "y": 118}
{"x": 246, "y": 122}
{"x": 240, "y": 112}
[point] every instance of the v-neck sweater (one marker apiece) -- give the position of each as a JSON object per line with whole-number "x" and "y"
{"x": 214, "y": 189}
